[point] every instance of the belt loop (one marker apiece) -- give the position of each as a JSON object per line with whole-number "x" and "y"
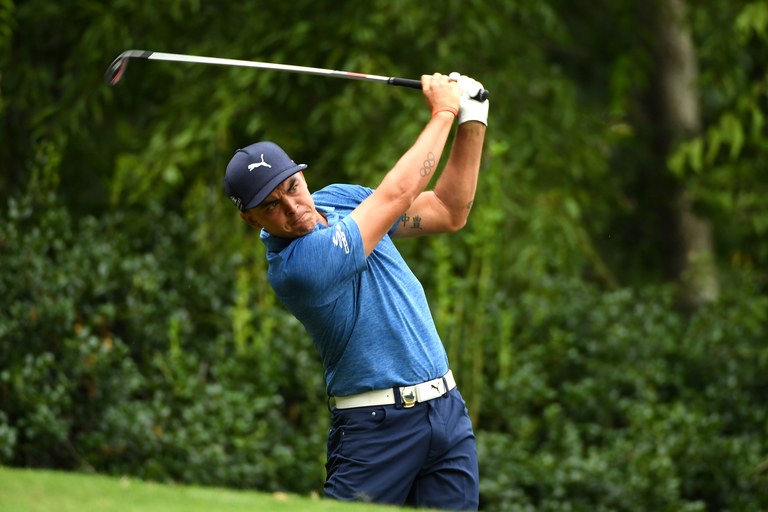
{"x": 445, "y": 385}
{"x": 398, "y": 398}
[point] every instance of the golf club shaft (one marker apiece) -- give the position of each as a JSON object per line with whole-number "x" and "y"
{"x": 117, "y": 68}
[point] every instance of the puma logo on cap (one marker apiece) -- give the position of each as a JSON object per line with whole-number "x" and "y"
{"x": 259, "y": 164}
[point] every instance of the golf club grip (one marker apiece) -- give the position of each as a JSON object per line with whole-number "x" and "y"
{"x": 416, "y": 84}
{"x": 405, "y": 82}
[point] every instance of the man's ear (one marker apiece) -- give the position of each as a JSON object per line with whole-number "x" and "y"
{"x": 250, "y": 221}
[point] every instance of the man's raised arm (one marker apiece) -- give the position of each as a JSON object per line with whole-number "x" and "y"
{"x": 413, "y": 171}
{"x": 447, "y": 207}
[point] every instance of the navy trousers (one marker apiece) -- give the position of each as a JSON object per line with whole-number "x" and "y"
{"x": 424, "y": 456}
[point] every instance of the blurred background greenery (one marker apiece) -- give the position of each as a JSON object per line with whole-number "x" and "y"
{"x": 605, "y": 310}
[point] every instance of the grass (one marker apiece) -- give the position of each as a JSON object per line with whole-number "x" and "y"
{"x": 24, "y": 490}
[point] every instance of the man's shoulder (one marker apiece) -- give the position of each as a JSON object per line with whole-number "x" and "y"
{"x": 341, "y": 195}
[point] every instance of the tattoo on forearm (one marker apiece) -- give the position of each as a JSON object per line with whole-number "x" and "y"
{"x": 415, "y": 221}
{"x": 429, "y": 165}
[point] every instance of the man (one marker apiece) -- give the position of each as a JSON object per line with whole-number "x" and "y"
{"x": 400, "y": 430}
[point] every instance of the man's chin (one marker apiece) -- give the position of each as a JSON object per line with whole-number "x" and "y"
{"x": 296, "y": 232}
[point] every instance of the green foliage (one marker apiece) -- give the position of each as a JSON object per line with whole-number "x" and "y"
{"x": 616, "y": 403}
{"x": 137, "y": 332}
{"x": 724, "y": 163}
{"x": 6, "y": 30}
{"x": 114, "y": 358}
{"x": 582, "y": 399}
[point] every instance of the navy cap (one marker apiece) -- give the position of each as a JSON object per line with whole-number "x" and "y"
{"x": 255, "y": 171}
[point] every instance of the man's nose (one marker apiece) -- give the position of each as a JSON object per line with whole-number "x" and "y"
{"x": 289, "y": 207}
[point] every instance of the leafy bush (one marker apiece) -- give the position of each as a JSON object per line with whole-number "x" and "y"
{"x": 121, "y": 353}
{"x": 126, "y": 351}
{"x": 616, "y": 402}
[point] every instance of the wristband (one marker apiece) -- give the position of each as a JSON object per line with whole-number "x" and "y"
{"x": 452, "y": 110}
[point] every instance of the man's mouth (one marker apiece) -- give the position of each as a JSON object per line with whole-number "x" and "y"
{"x": 299, "y": 219}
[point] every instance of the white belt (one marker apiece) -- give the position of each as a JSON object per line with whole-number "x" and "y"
{"x": 410, "y": 395}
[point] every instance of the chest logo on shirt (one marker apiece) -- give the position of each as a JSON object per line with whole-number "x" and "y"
{"x": 340, "y": 239}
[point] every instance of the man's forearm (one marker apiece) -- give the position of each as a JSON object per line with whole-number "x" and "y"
{"x": 403, "y": 183}
{"x": 458, "y": 182}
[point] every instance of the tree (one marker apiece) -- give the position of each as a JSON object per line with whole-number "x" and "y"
{"x": 676, "y": 100}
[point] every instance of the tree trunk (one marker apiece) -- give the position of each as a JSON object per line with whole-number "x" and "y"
{"x": 692, "y": 258}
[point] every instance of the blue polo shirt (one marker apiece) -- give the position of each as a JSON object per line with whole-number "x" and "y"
{"x": 368, "y": 317}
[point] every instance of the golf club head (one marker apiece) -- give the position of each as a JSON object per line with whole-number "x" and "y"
{"x": 116, "y": 69}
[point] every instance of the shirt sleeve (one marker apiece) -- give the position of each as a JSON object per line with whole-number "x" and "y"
{"x": 320, "y": 265}
{"x": 346, "y": 198}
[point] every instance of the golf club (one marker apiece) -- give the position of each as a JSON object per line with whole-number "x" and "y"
{"x": 116, "y": 70}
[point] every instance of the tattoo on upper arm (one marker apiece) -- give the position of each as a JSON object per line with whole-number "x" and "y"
{"x": 415, "y": 221}
{"x": 429, "y": 164}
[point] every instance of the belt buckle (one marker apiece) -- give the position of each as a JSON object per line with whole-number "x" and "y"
{"x": 409, "y": 400}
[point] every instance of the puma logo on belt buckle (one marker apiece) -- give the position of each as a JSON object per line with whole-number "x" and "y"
{"x": 409, "y": 400}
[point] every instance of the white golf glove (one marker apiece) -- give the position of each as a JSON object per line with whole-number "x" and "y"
{"x": 470, "y": 109}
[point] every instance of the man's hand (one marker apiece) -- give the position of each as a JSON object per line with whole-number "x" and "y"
{"x": 441, "y": 93}
{"x": 470, "y": 109}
